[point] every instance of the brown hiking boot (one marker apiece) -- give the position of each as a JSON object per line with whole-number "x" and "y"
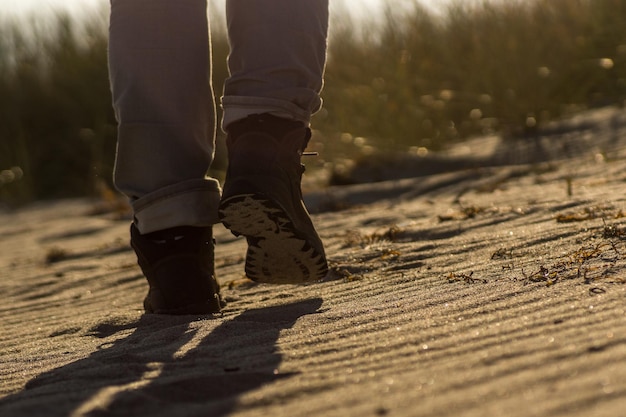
{"x": 178, "y": 264}
{"x": 262, "y": 200}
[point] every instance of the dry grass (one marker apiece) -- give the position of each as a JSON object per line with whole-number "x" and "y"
{"x": 404, "y": 82}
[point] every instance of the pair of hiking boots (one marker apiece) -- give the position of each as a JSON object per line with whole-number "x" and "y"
{"x": 261, "y": 200}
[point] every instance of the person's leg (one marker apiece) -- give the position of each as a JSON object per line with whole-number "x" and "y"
{"x": 278, "y": 52}
{"x": 277, "y": 59}
{"x": 159, "y": 63}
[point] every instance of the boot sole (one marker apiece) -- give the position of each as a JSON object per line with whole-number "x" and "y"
{"x": 278, "y": 253}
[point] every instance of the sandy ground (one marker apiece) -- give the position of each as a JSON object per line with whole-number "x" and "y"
{"x": 485, "y": 292}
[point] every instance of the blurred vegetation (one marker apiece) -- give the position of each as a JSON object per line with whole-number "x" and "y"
{"x": 409, "y": 79}
{"x": 419, "y": 79}
{"x": 57, "y": 134}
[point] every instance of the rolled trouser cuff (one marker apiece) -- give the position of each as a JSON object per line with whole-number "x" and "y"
{"x": 190, "y": 203}
{"x": 239, "y": 107}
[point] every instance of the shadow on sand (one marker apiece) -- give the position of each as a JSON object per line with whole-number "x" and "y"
{"x": 162, "y": 369}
